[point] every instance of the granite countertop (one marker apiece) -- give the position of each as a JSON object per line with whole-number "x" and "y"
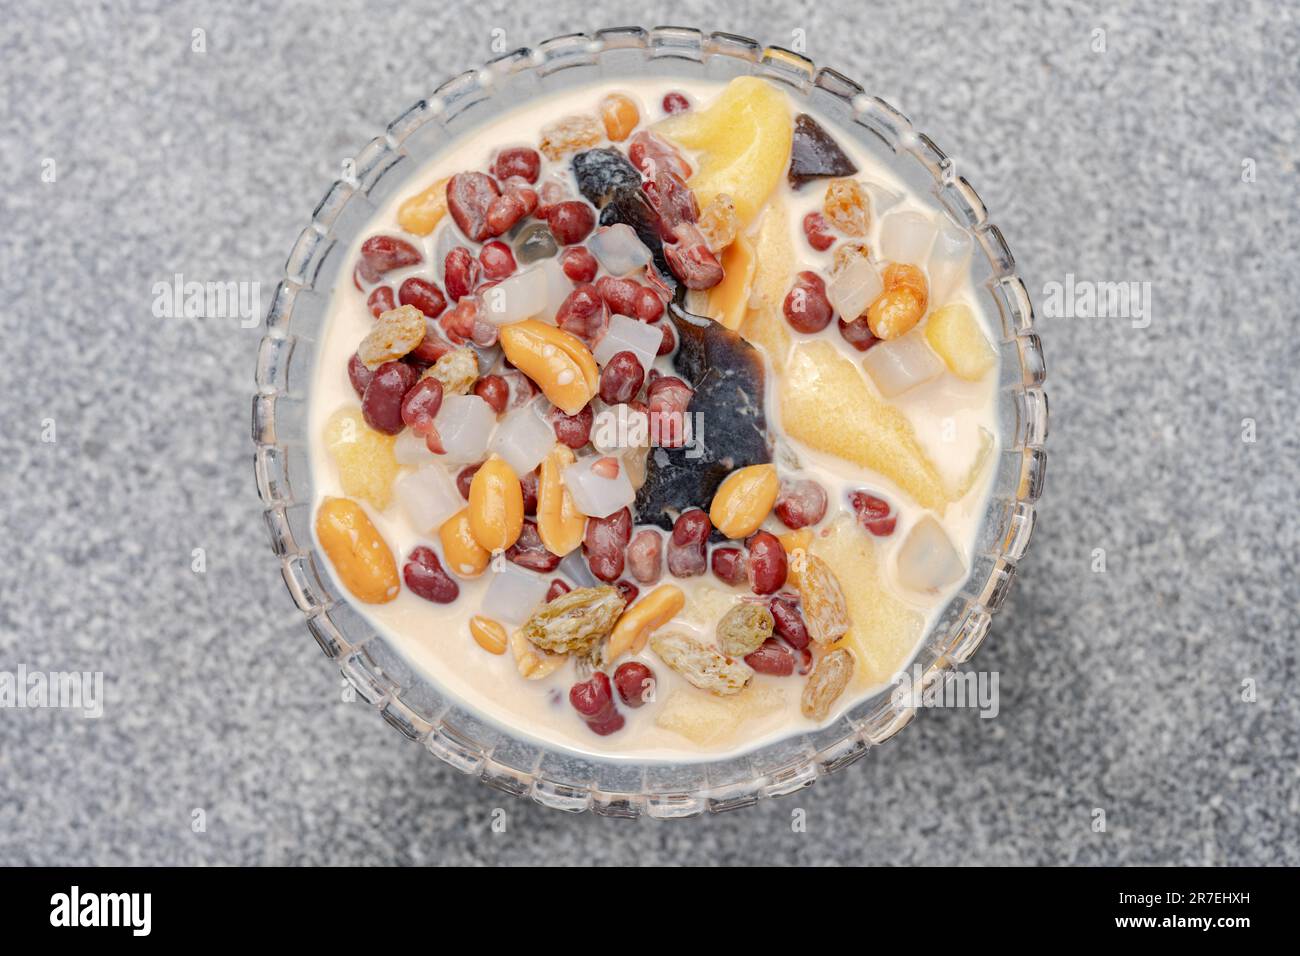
{"x": 1168, "y": 158}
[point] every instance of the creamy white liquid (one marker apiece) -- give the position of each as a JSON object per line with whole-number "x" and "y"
{"x": 435, "y": 638}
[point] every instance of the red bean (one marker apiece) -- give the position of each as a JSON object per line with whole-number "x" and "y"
{"x": 874, "y": 513}
{"x": 381, "y": 405}
{"x": 628, "y": 590}
{"x": 381, "y": 300}
{"x": 493, "y": 390}
{"x": 688, "y": 544}
{"x": 461, "y": 273}
{"x": 578, "y": 264}
{"x": 517, "y": 161}
{"x": 359, "y": 375}
{"x": 645, "y": 560}
{"x": 648, "y": 306}
{"x": 801, "y": 503}
{"x": 670, "y": 339}
{"x": 592, "y": 698}
{"x": 522, "y": 388}
{"x": 528, "y": 485}
{"x": 604, "y": 543}
{"x": 573, "y": 430}
{"x": 497, "y": 260}
{"x": 675, "y": 102}
{"x": 570, "y": 221}
{"x": 621, "y": 378}
{"x": 557, "y": 588}
{"x": 422, "y": 294}
{"x": 433, "y": 347}
{"x": 506, "y": 210}
{"x": 767, "y": 562}
{"x": 667, "y": 399}
{"x": 529, "y": 552}
{"x": 788, "y": 621}
{"x": 771, "y": 658}
{"x": 858, "y": 334}
{"x": 806, "y": 307}
{"x": 420, "y": 405}
{"x": 818, "y": 231}
{"x": 691, "y": 259}
{"x": 607, "y": 725}
{"x": 730, "y": 565}
{"x": 464, "y": 477}
{"x": 381, "y": 254}
{"x": 425, "y": 576}
{"x": 619, "y": 294}
{"x": 582, "y": 313}
{"x": 469, "y": 196}
{"x": 635, "y": 682}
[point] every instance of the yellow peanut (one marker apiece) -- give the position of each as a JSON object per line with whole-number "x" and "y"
{"x": 361, "y": 557}
{"x": 496, "y": 505}
{"x": 558, "y": 362}
{"x": 488, "y": 634}
{"x": 560, "y": 524}
{"x": 466, "y": 558}
{"x": 533, "y": 662}
{"x": 619, "y": 114}
{"x": 421, "y": 213}
{"x": 646, "y": 615}
{"x": 744, "y": 499}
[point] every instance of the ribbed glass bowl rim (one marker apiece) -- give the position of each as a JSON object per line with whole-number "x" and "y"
{"x": 551, "y": 775}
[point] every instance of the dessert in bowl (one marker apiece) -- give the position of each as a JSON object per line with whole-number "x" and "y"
{"x": 656, "y": 423}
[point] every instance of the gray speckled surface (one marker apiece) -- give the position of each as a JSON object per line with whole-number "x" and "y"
{"x": 1119, "y": 690}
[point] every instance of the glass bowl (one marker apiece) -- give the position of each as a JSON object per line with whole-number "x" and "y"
{"x": 555, "y": 776}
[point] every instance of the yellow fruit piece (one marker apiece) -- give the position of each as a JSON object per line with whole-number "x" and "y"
{"x": 792, "y": 541}
{"x": 729, "y": 299}
{"x": 496, "y": 505}
{"x": 706, "y": 719}
{"x": 636, "y": 623}
{"x": 360, "y": 556}
{"x": 976, "y": 469}
{"x": 744, "y": 499}
{"x": 466, "y": 558}
{"x": 558, "y": 362}
{"x": 744, "y": 136}
{"x": 955, "y": 334}
{"x": 421, "y": 213}
{"x": 765, "y": 325}
{"x": 488, "y": 634}
{"x": 365, "y": 459}
{"x": 560, "y": 524}
{"x": 827, "y": 404}
{"x": 883, "y": 631}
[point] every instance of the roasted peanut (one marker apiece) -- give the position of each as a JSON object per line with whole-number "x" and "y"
{"x": 533, "y": 662}
{"x": 361, "y": 557}
{"x": 633, "y": 629}
{"x": 421, "y": 213}
{"x": 496, "y": 505}
{"x": 744, "y": 499}
{"x": 559, "y": 522}
{"x": 466, "y": 558}
{"x": 488, "y": 634}
{"x": 619, "y": 114}
{"x": 558, "y": 362}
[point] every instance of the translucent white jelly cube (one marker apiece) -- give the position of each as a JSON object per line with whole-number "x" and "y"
{"x": 558, "y": 287}
{"x": 618, "y": 249}
{"x": 616, "y": 428}
{"x": 883, "y": 198}
{"x": 927, "y": 560}
{"x": 595, "y": 495}
{"x": 949, "y": 261}
{"x": 428, "y": 495}
{"x": 448, "y": 238}
{"x": 513, "y": 593}
{"x": 902, "y": 363}
{"x": 906, "y": 237}
{"x": 410, "y": 449}
{"x": 519, "y": 297}
{"x": 854, "y": 288}
{"x": 465, "y": 424}
{"x": 629, "y": 335}
{"x": 523, "y": 439}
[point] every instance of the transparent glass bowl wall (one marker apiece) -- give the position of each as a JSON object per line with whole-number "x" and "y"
{"x": 287, "y": 356}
